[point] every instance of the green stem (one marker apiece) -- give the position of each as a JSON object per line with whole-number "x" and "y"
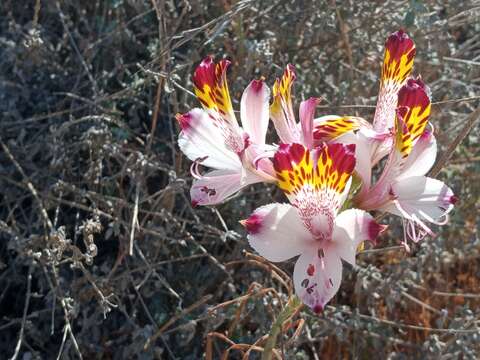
{"x": 292, "y": 305}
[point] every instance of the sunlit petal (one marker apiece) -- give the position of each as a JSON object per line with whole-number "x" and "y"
{"x": 211, "y": 88}
{"x": 352, "y": 227}
{"x": 413, "y": 110}
{"x": 317, "y": 277}
{"x": 314, "y": 177}
{"x": 254, "y": 111}
{"x": 397, "y": 66}
{"x": 201, "y": 138}
{"x": 277, "y": 233}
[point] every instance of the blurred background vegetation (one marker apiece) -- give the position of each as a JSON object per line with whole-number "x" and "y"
{"x": 102, "y": 255}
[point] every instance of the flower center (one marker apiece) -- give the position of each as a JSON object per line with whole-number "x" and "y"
{"x": 317, "y": 211}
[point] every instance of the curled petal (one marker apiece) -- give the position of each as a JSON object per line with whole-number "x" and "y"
{"x": 317, "y": 277}
{"x": 352, "y": 227}
{"x": 201, "y": 138}
{"x": 254, "y": 111}
{"x": 211, "y": 88}
{"x": 277, "y": 233}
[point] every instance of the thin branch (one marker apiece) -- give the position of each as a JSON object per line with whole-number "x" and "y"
{"x": 469, "y": 123}
{"x": 24, "y": 317}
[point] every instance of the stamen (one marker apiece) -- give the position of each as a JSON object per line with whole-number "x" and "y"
{"x": 194, "y": 170}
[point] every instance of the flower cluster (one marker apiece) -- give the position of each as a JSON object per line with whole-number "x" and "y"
{"x": 314, "y": 165}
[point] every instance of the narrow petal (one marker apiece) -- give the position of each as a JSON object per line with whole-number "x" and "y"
{"x": 281, "y": 110}
{"x": 307, "y": 113}
{"x": 421, "y": 197}
{"x": 200, "y": 138}
{"x": 218, "y": 185}
{"x": 352, "y": 227}
{"x": 254, "y": 111}
{"x": 331, "y": 127}
{"x": 317, "y": 277}
{"x": 211, "y": 88}
{"x": 277, "y": 233}
{"x": 397, "y": 66}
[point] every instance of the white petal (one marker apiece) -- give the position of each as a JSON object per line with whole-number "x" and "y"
{"x": 422, "y": 157}
{"x": 352, "y": 227}
{"x": 201, "y": 138}
{"x": 277, "y": 233}
{"x": 317, "y": 279}
{"x": 254, "y": 111}
{"x": 218, "y": 185}
{"x": 421, "y": 197}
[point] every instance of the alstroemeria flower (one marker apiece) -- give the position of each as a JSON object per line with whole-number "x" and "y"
{"x": 283, "y": 117}
{"x": 212, "y": 136}
{"x": 403, "y": 189}
{"x": 316, "y": 183}
{"x": 373, "y": 141}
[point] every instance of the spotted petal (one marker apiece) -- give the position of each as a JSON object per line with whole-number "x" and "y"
{"x": 331, "y": 127}
{"x": 218, "y": 185}
{"x": 319, "y": 176}
{"x": 413, "y": 112}
{"x": 397, "y": 66}
{"x": 317, "y": 277}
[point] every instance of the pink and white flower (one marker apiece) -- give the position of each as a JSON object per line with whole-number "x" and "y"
{"x": 403, "y": 188}
{"x": 316, "y": 183}
{"x": 212, "y": 136}
{"x": 399, "y": 130}
{"x": 373, "y": 141}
